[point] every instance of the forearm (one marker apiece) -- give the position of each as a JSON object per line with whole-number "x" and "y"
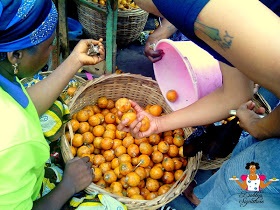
{"x": 244, "y": 29}
{"x": 55, "y": 199}
{"x": 44, "y": 93}
{"x": 164, "y": 31}
{"x": 267, "y": 127}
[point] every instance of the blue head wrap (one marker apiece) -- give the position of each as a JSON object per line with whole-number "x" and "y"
{"x": 25, "y": 23}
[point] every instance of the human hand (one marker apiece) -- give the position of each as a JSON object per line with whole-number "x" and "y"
{"x": 78, "y": 174}
{"x": 81, "y": 49}
{"x": 248, "y": 118}
{"x": 134, "y": 127}
{"x": 151, "y": 54}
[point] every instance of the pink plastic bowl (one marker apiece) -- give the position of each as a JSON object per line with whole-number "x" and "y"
{"x": 188, "y": 69}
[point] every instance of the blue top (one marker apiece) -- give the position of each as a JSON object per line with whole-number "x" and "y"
{"x": 183, "y": 14}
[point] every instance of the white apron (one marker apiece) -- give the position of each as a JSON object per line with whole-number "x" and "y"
{"x": 253, "y": 185}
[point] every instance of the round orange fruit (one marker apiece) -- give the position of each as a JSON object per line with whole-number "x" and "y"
{"x": 171, "y": 95}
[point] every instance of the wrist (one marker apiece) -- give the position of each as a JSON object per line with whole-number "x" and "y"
{"x": 67, "y": 188}
{"x": 75, "y": 61}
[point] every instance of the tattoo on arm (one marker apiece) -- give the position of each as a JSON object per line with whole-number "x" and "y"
{"x": 172, "y": 29}
{"x": 213, "y": 33}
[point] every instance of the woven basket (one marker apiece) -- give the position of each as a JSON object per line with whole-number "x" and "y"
{"x": 206, "y": 164}
{"x": 144, "y": 91}
{"x": 129, "y": 26}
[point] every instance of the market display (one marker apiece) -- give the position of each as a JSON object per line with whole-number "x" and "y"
{"x": 136, "y": 168}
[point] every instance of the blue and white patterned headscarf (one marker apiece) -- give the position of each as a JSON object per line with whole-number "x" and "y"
{"x": 25, "y": 23}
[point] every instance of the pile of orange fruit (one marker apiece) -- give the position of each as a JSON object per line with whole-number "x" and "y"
{"x": 123, "y": 4}
{"x": 137, "y": 168}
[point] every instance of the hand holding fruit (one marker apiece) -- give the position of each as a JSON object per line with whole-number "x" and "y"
{"x": 144, "y": 125}
{"x": 78, "y": 174}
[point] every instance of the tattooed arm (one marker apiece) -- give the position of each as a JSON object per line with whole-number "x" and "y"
{"x": 247, "y": 34}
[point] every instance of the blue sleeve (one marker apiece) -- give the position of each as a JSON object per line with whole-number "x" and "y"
{"x": 182, "y": 14}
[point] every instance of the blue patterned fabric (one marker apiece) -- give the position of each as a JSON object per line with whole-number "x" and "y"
{"x": 26, "y": 23}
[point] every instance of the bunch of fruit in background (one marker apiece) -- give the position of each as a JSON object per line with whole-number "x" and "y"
{"x": 123, "y": 4}
{"x": 137, "y": 168}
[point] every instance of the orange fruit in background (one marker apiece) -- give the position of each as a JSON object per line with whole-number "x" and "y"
{"x": 144, "y": 192}
{"x": 129, "y": 115}
{"x": 102, "y": 102}
{"x": 178, "y": 140}
{"x": 132, "y": 191}
{"x": 144, "y": 160}
{"x": 88, "y": 107}
{"x": 151, "y": 196}
{"x": 97, "y": 142}
{"x": 132, "y": 179}
{"x": 110, "y": 118}
{"x": 178, "y": 174}
{"x": 164, "y": 189}
{"x": 110, "y": 177}
{"x": 82, "y": 150}
{"x": 106, "y": 143}
{"x": 123, "y": 105}
{"x": 167, "y": 133}
{"x": 120, "y": 151}
{"x": 101, "y": 183}
{"x": 134, "y": 161}
{"x": 154, "y": 139}
{"x": 101, "y": 117}
{"x": 96, "y": 151}
{"x": 109, "y": 134}
{"x": 117, "y": 143}
{"x": 118, "y": 193}
{"x": 67, "y": 136}
{"x": 141, "y": 172}
{"x": 147, "y": 172}
{"x": 124, "y": 183}
{"x": 168, "y": 177}
{"x": 111, "y": 127}
{"x": 116, "y": 187}
{"x": 115, "y": 163}
{"x": 127, "y": 141}
{"x": 94, "y": 120}
{"x": 90, "y": 112}
{"x": 75, "y": 125}
{"x": 151, "y": 164}
{"x": 120, "y": 134}
{"x": 137, "y": 197}
{"x": 71, "y": 91}
{"x": 77, "y": 140}
{"x": 181, "y": 151}
{"x": 157, "y": 156}
{"x": 110, "y": 104}
{"x": 152, "y": 185}
{"x": 173, "y": 151}
{"x": 104, "y": 112}
{"x": 148, "y": 106}
{"x": 133, "y": 150}
{"x": 184, "y": 161}
{"x": 178, "y": 131}
{"x": 155, "y": 110}
{"x": 105, "y": 167}
{"x": 155, "y": 148}
{"x": 139, "y": 141}
{"x": 84, "y": 127}
{"x": 82, "y": 115}
{"x": 132, "y": 110}
{"x": 142, "y": 184}
{"x": 156, "y": 172}
{"x": 171, "y": 95}
{"x": 168, "y": 164}
{"x": 125, "y": 168}
{"x": 97, "y": 174}
{"x": 98, "y": 159}
{"x": 114, "y": 110}
{"x": 124, "y": 158}
{"x": 98, "y": 130}
{"x": 145, "y": 124}
{"x": 168, "y": 139}
{"x": 73, "y": 150}
{"x": 109, "y": 155}
{"x": 163, "y": 147}
{"x": 146, "y": 148}
{"x": 96, "y": 109}
{"x": 177, "y": 163}
{"x": 118, "y": 173}
{"x": 159, "y": 165}
{"x": 74, "y": 116}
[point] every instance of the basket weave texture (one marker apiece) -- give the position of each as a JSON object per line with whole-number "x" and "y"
{"x": 129, "y": 26}
{"x": 206, "y": 164}
{"x": 144, "y": 91}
